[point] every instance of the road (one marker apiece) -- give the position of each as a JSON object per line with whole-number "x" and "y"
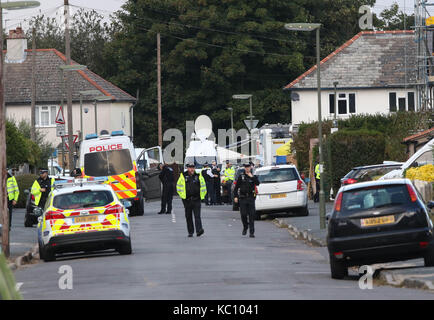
{"x": 222, "y": 264}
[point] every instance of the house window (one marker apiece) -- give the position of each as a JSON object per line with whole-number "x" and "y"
{"x": 392, "y": 101}
{"x": 346, "y": 103}
{"x": 403, "y": 102}
{"x": 45, "y": 116}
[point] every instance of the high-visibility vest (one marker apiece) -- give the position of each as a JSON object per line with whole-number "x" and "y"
{"x": 182, "y": 192}
{"x": 12, "y": 189}
{"x": 230, "y": 173}
{"x": 36, "y": 190}
{"x": 317, "y": 172}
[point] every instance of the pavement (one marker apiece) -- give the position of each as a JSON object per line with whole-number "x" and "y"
{"x": 410, "y": 274}
{"x": 221, "y": 264}
{"x": 22, "y": 240}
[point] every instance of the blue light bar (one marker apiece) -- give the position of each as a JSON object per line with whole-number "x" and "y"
{"x": 117, "y": 133}
{"x": 91, "y": 136}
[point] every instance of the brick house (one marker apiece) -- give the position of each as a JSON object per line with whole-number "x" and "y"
{"x": 114, "y": 114}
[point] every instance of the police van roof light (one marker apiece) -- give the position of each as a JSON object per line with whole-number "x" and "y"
{"x": 117, "y": 133}
{"x": 91, "y": 136}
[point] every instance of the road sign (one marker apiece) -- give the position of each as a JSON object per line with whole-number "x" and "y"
{"x": 251, "y": 124}
{"x": 60, "y": 130}
{"x": 66, "y": 138}
{"x": 60, "y": 118}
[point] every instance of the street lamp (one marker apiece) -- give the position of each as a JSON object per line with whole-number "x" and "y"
{"x": 251, "y": 117}
{"x": 232, "y": 123}
{"x": 13, "y": 5}
{"x": 98, "y": 98}
{"x": 85, "y": 93}
{"x": 311, "y": 27}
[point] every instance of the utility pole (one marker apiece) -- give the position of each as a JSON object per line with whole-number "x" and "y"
{"x": 160, "y": 126}
{"x": 32, "y": 117}
{"x": 68, "y": 87}
{"x": 3, "y": 194}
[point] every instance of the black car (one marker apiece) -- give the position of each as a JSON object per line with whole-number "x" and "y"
{"x": 368, "y": 173}
{"x": 377, "y": 222}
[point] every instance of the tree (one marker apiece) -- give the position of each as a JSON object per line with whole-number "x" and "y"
{"x": 394, "y": 19}
{"x": 213, "y": 49}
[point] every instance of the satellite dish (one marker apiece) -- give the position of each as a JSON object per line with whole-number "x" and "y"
{"x": 203, "y": 127}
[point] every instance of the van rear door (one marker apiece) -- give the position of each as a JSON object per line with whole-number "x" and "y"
{"x": 148, "y": 172}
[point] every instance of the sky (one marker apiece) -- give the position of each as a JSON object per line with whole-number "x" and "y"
{"x": 13, "y": 19}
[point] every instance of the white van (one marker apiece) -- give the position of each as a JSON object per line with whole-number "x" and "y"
{"x": 113, "y": 156}
{"x": 420, "y": 158}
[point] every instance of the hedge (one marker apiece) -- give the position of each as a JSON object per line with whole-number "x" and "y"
{"x": 351, "y": 148}
{"x": 395, "y": 127}
{"x": 24, "y": 181}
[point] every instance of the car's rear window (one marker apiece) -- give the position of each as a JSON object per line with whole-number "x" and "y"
{"x": 107, "y": 163}
{"x": 83, "y": 199}
{"x": 357, "y": 200}
{"x": 277, "y": 175}
{"x": 373, "y": 174}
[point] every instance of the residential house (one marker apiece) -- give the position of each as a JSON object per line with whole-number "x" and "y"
{"x": 114, "y": 114}
{"x": 374, "y": 70}
{"x": 417, "y": 141}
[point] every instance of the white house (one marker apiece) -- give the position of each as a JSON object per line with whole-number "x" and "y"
{"x": 375, "y": 71}
{"x": 114, "y": 114}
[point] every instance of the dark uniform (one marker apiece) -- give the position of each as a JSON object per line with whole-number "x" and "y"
{"x": 44, "y": 183}
{"x": 210, "y": 194}
{"x": 166, "y": 178}
{"x": 217, "y": 185}
{"x": 245, "y": 192}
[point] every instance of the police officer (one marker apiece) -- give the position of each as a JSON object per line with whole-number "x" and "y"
{"x": 209, "y": 180}
{"x": 217, "y": 182}
{"x": 13, "y": 193}
{"x": 229, "y": 175}
{"x": 166, "y": 178}
{"x": 191, "y": 188}
{"x": 244, "y": 193}
{"x": 41, "y": 188}
{"x": 317, "y": 181}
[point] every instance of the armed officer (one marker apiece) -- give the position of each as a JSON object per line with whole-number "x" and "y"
{"x": 166, "y": 178}
{"x": 41, "y": 188}
{"x": 245, "y": 194}
{"x": 191, "y": 188}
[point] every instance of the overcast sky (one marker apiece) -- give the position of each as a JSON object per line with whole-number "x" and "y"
{"x": 13, "y": 19}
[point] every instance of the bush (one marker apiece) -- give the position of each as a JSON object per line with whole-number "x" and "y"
{"x": 352, "y": 148}
{"x": 24, "y": 181}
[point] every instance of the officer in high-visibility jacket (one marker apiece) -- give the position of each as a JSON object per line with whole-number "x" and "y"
{"x": 191, "y": 188}
{"x": 41, "y": 188}
{"x": 229, "y": 175}
{"x": 318, "y": 184}
{"x": 13, "y": 193}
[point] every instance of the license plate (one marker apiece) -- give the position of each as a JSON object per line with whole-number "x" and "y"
{"x": 86, "y": 219}
{"x": 377, "y": 221}
{"x": 278, "y": 196}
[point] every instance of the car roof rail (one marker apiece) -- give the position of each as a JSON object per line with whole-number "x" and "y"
{"x": 79, "y": 182}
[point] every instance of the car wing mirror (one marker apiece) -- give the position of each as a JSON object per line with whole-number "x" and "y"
{"x": 430, "y": 204}
{"x": 38, "y": 212}
{"x": 127, "y": 204}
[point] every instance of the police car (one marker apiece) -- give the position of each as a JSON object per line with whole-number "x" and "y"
{"x": 82, "y": 215}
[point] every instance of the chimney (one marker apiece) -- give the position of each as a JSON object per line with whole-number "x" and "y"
{"x": 16, "y": 46}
